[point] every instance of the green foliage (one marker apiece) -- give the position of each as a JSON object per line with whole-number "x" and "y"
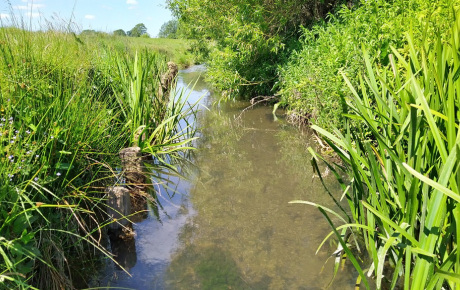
{"x": 311, "y": 84}
{"x": 169, "y": 29}
{"x": 137, "y": 30}
{"x": 247, "y": 39}
{"x": 176, "y": 50}
{"x": 61, "y": 128}
{"x": 152, "y": 119}
{"x": 403, "y": 163}
{"x": 119, "y": 32}
{"x": 88, "y": 31}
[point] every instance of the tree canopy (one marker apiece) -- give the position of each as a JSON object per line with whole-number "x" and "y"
{"x": 88, "y": 32}
{"x": 169, "y": 29}
{"x": 137, "y": 30}
{"x": 251, "y": 36}
{"x": 119, "y": 32}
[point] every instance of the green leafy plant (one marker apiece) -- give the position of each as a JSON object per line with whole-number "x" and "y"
{"x": 403, "y": 165}
{"x": 61, "y": 128}
{"x": 152, "y": 119}
{"x": 247, "y": 40}
{"x": 310, "y": 81}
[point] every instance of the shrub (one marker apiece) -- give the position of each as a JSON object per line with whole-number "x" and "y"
{"x": 311, "y": 85}
{"x": 402, "y": 161}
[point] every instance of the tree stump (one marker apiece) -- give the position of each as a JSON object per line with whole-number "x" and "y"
{"x": 138, "y": 205}
{"x": 131, "y": 160}
{"x": 119, "y": 206}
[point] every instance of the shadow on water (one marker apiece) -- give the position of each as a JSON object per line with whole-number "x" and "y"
{"x": 213, "y": 268}
{"x": 230, "y": 226}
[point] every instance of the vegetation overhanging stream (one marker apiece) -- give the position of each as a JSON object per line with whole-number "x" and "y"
{"x": 230, "y": 225}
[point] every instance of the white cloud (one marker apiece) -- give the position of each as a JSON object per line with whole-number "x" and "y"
{"x": 89, "y": 16}
{"x": 4, "y": 16}
{"x": 29, "y": 6}
{"x": 131, "y": 2}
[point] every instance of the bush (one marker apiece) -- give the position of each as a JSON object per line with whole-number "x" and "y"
{"x": 310, "y": 83}
{"x": 248, "y": 39}
{"x": 401, "y": 156}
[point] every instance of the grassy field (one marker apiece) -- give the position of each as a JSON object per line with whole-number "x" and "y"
{"x": 68, "y": 104}
{"x": 176, "y": 50}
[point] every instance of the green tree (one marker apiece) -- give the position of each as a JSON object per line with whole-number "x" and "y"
{"x": 88, "y": 32}
{"x": 119, "y": 32}
{"x": 251, "y": 37}
{"x": 137, "y": 30}
{"x": 169, "y": 29}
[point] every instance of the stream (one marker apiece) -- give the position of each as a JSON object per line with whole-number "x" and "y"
{"x": 229, "y": 224}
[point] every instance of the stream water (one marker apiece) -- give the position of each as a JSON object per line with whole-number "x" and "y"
{"x": 230, "y": 226}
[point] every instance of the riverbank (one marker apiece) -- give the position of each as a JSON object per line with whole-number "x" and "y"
{"x": 229, "y": 224}
{"x": 68, "y": 105}
{"x": 379, "y": 82}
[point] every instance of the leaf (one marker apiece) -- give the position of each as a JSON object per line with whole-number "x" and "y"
{"x": 433, "y": 183}
{"x": 63, "y": 166}
{"x": 456, "y": 75}
{"x": 391, "y": 223}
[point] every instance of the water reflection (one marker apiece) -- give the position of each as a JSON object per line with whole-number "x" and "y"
{"x": 124, "y": 251}
{"x": 230, "y": 226}
{"x": 245, "y": 235}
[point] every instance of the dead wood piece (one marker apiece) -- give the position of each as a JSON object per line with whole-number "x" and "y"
{"x": 166, "y": 81}
{"x": 138, "y": 205}
{"x": 118, "y": 207}
{"x": 131, "y": 161}
{"x": 254, "y": 101}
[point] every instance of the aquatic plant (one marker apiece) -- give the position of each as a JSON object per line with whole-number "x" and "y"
{"x": 157, "y": 121}
{"x": 403, "y": 165}
{"x": 60, "y": 132}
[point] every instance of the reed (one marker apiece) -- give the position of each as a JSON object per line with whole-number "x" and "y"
{"x": 402, "y": 159}
{"x": 157, "y": 123}
{"x": 61, "y": 127}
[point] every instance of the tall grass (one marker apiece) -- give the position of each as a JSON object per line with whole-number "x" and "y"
{"x": 153, "y": 120}
{"x": 403, "y": 164}
{"x": 61, "y": 128}
{"x": 311, "y": 85}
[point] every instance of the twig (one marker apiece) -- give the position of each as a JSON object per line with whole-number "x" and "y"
{"x": 254, "y": 101}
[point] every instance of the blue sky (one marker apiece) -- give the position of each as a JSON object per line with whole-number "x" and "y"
{"x": 101, "y": 15}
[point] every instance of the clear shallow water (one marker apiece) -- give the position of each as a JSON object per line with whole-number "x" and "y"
{"x": 231, "y": 226}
